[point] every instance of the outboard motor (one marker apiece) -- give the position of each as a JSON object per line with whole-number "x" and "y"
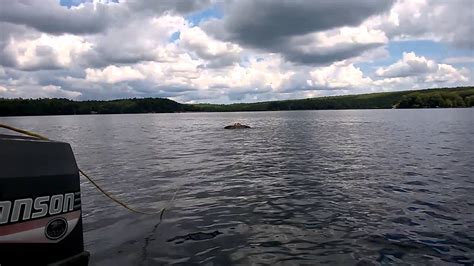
{"x": 40, "y": 203}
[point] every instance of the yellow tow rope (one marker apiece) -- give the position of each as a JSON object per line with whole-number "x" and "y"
{"x": 121, "y": 203}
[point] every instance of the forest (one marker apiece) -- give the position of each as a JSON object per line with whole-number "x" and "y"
{"x": 428, "y": 98}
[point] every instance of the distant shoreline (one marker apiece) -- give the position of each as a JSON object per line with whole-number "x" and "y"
{"x": 459, "y": 97}
{"x": 274, "y": 111}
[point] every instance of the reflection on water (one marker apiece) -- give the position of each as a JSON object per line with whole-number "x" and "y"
{"x": 337, "y": 187}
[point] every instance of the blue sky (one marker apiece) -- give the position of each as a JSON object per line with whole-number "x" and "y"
{"x": 197, "y": 17}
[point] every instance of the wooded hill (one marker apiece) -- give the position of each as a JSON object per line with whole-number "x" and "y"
{"x": 428, "y": 98}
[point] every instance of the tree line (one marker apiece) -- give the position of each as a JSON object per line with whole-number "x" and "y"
{"x": 452, "y": 97}
{"x": 18, "y": 107}
{"x": 436, "y": 100}
{"x": 429, "y": 98}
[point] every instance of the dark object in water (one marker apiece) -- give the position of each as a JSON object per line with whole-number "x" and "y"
{"x": 199, "y": 236}
{"x": 40, "y": 203}
{"x": 236, "y": 126}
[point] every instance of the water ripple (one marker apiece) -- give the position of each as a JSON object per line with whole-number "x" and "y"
{"x": 335, "y": 187}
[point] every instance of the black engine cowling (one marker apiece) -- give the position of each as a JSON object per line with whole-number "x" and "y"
{"x": 40, "y": 203}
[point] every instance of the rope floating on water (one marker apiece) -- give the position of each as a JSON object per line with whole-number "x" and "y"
{"x": 108, "y": 195}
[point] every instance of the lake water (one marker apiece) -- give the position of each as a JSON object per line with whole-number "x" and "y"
{"x": 302, "y": 187}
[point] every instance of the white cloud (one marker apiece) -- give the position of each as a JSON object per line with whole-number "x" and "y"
{"x": 334, "y": 45}
{"x": 328, "y": 40}
{"x": 35, "y": 91}
{"x": 219, "y": 53}
{"x": 113, "y": 74}
{"x": 58, "y": 92}
{"x": 142, "y": 39}
{"x": 258, "y": 74}
{"x": 447, "y": 73}
{"x": 409, "y": 65}
{"x": 339, "y": 76}
{"x": 46, "y": 51}
{"x": 424, "y": 69}
{"x": 447, "y": 21}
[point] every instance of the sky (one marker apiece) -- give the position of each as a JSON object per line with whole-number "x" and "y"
{"x": 196, "y": 51}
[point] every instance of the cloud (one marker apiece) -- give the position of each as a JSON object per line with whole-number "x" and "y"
{"x": 177, "y": 6}
{"x": 459, "y": 60}
{"x": 151, "y": 42}
{"x": 259, "y": 74}
{"x": 49, "y": 91}
{"x": 330, "y": 46}
{"x": 88, "y": 17}
{"x": 56, "y": 91}
{"x": 218, "y": 54}
{"x": 49, "y": 17}
{"x": 423, "y": 69}
{"x": 283, "y": 27}
{"x": 113, "y": 74}
{"x": 142, "y": 39}
{"x": 339, "y": 76}
{"x": 447, "y": 21}
{"x": 409, "y": 65}
{"x": 252, "y": 51}
{"x": 44, "y": 51}
{"x": 262, "y": 23}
